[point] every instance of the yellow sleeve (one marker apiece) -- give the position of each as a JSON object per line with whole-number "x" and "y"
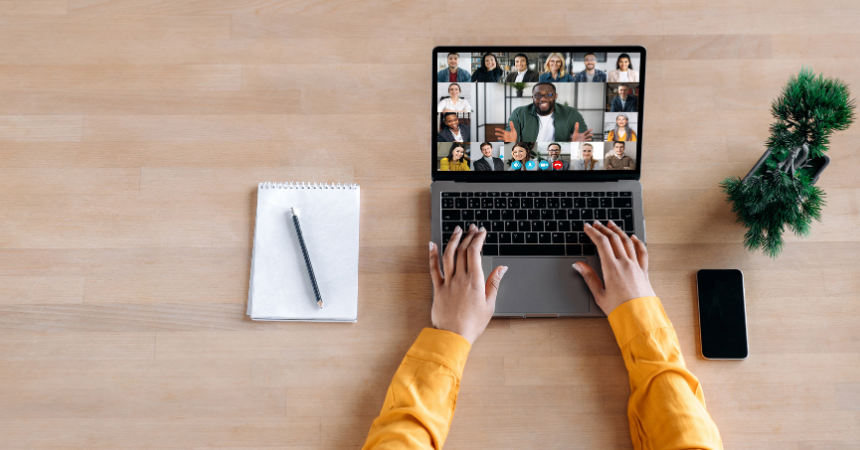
{"x": 667, "y": 405}
{"x": 466, "y": 166}
{"x": 443, "y": 165}
{"x": 420, "y": 402}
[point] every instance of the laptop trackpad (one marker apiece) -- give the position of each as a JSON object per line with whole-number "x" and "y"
{"x": 541, "y": 285}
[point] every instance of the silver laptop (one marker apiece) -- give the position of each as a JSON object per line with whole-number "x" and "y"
{"x": 531, "y": 143}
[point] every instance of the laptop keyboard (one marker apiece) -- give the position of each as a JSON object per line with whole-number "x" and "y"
{"x": 535, "y": 223}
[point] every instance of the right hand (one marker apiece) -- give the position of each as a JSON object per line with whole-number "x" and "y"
{"x": 625, "y": 267}
{"x": 463, "y": 302}
{"x": 507, "y": 136}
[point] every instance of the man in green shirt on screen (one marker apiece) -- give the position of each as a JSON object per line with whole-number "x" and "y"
{"x": 544, "y": 120}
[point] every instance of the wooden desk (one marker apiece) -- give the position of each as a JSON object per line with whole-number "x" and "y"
{"x": 132, "y": 136}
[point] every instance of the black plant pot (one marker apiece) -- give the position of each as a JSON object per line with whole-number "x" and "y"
{"x": 818, "y": 165}
{"x": 520, "y": 93}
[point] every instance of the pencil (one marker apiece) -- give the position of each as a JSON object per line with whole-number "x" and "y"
{"x": 307, "y": 257}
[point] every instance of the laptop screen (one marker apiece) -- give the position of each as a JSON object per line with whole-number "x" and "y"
{"x": 537, "y": 113}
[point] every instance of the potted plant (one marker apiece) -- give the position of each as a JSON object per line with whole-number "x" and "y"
{"x": 519, "y": 87}
{"x": 780, "y": 189}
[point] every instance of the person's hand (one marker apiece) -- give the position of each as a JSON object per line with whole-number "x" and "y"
{"x": 507, "y": 136}
{"x": 580, "y": 137}
{"x": 625, "y": 267}
{"x": 462, "y": 302}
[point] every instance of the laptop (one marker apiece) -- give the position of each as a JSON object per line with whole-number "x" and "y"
{"x": 531, "y": 143}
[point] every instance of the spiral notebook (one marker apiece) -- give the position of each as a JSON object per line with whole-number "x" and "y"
{"x": 280, "y": 288}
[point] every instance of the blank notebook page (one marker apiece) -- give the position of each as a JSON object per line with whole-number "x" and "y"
{"x": 280, "y": 288}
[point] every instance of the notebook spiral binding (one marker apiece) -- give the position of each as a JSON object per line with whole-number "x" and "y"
{"x": 303, "y": 185}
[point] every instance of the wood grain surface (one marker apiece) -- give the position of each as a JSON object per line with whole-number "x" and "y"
{"x": 133, "y": 134}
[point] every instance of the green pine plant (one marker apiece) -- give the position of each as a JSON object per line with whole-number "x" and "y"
{"x": 779, "y": 191}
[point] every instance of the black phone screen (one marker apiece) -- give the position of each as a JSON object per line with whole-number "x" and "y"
{"x": 722, "y": 314}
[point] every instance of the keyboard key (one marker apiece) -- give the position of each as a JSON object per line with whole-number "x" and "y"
{"x": 627, "y": 217}
{"x": 567, "y": 203}
{"x": 531, "y": 238}
{"x": 504, "y": 238}
{"x": 557, "y": 238}
{"x": 546, "y": 214}
{"x": 589, "y": 250}
{"x": 606, "y": 203}
{"x": 521, "y": 214}
{"x": 451, "y": 214}
{"x": 599, "y": 194}
{"x": 584, "y": 239}
{"x": 467, "y": 214}
{"x": 550, "y": 225}
{"x": 534, "y": 194}
{"x": 614, "y": 214}
{"x": 546, "y": 194}
{"x": 518, "y": 238}
{"x": 576, "y": 225}
{"x": 531, "y": 250}
{"x": 507, "y": 194}
{"x": 448, "y": 203}
{"x": 480, "y": 194}
{"x": 622, "y": 202}
{"x": 490, "y": 250}
{"x": 573, "y": 194}
{"x": 587, "y": 214}
{"x": 446, "y": 237}
{"x": 494, "y": 214}
{"x": 450, "y": 194}
{"x": 519, "y": 194}
{"x": 600, "y": 214}
{"x": 612, "y": 194}
{"x": 592, "y": 203}
{"x": 492, "y": 238}
{"x": 448, "y": 227}
{"x": 564, "y": 225}
{"x": 481, "y": 215}
{"x": 467, "y": 194}
{"x": 497, "y": 225}
{"x": 524, "y": 225}
{"x": 573, "y": 214}
{"x": 579, "y": 203}
{"x": 493, "y": 194}
{"x": 486, "y": 203}
{"x": 534, "y": 214}
{"x": 570, "y": 238}
{"x": 540, "y": 203}
{"x": 527, "y": 203}
{"x": 574, "y": 250}
{"x": 500, "y": 203}
{"x": 553, "y": 203}
{"x": 626, "y": 194}
{"x": 460, "y": 203}
{"x": 537, "y": 225}
{"x": 474, "y": 203}
{"x": 560, "y": 214}
{"x": 544, "y": 238}
{"x": 585, "y": 194}
{"x": 510, "y": 225}
{"x": 507, "y": 214}
{"x": 513, "y": 203}
{"x": 487, "y": 225}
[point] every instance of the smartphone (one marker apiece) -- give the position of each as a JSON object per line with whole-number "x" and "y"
{"x": 722, "y": 314}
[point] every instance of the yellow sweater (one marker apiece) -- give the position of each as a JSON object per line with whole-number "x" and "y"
{"x": 460, "y": 166}
{"x": 666, "y": 407}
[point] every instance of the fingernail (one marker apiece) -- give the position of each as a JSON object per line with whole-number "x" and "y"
{"x": 431, "y": 246}
{"x": 634, "y": 237}
{"x": 575, "y": 266}
{"x": 597, "y": 222}
{"x": 503, "y": 270}
{"x": 472, "y": 227}
{"x": 482, "y": 229}
{"x": 588, "y": 224}
{"x": 457, "y": 229}
{"x": 610, "y": 223}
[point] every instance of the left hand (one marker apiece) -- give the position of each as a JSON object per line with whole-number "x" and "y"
{"x": 462, "y": 302}
{"x": 580, "y": 137}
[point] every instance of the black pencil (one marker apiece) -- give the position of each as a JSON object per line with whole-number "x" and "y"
{"x": 307, "y": 257}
